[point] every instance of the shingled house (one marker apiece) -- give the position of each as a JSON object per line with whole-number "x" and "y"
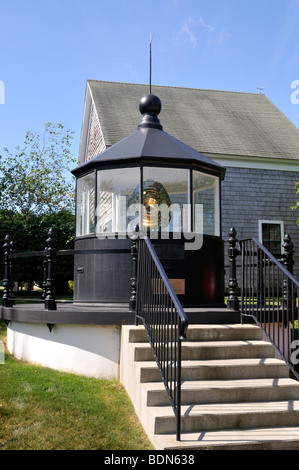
{"x": 244, "y": 132}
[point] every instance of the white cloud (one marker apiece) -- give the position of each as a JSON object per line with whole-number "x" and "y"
{"x": 205, "y": 25}
{"x": 188, "y": 34}
{"x": 222, "y": 38}
{"x": 191, "y": 29}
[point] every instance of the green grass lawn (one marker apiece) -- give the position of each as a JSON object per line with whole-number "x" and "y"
{"x": 41, "y": 409}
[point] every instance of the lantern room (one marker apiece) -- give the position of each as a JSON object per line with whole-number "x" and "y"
{"x": 149, "y": 184}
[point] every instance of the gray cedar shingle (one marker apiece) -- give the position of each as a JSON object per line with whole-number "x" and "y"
{"x": 210, "y": 121}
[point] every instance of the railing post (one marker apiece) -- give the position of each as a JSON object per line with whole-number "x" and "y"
{"x": 50, "y": 301}
{"x": 164, "y": 320}
{"x": 45, "y": 264}
{"x": 8, "y": 299}
{"x": 260, "y": 296}
{"x": 288, "y": 253}
{"x": 11, "y": 273}
{"x": 288, "y": 262}
{"x": 233, "y": 252}
{"x": 134, "y": 256}
{"x": 179, "y": 382}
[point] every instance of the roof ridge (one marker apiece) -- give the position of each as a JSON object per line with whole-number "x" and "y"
{"x": 177, "y": 87}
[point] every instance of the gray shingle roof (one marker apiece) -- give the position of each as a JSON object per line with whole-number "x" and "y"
{"x": 210, "y": 121}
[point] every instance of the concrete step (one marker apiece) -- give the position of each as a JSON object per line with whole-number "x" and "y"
{"x": 217, "y": 416}
{"x": 223, "y": 332}
{"x": 235, "y": 393}
{"x": 225, "y": 391}
{"x": 274, "y": 438}
{"x": 194, "y": 350}
{"x": 219, "y": 369}
{"x": 137, "y": 334}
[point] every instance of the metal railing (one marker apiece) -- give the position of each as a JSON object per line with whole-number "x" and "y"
{"x": 269, "y": 294}
{"x": 48, "y": 254}
{"x": 164, "y": 319}
{"x": 47, "y": 267}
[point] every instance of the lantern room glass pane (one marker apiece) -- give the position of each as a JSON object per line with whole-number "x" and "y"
{"x": 206, "y": 193}
{"x": 85, "y": 210}
{"x": 118, "y": 189}
{"x": 166, "y": 199}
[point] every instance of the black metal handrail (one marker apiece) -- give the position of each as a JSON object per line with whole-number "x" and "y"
{"x": 164, "y": 319}
{"x": 269, "y": 294}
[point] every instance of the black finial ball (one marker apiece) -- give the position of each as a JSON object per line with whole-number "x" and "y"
{"x": 150, "y": 104}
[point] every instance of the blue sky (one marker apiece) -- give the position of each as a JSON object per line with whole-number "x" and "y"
{"x": 48, "y": 49}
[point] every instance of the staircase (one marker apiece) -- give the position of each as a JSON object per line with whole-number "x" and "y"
{"x": 235, "y": 393}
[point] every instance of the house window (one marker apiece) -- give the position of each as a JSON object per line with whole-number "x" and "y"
{"x": 271, "y": 236}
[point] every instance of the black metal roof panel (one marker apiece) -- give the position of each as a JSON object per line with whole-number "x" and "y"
{"x": 149, "y": 144}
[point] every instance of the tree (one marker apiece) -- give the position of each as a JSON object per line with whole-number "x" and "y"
{"x": 37, "y": 193}
{"x": 36, "y": 178}
{"x": 29, "y": 233}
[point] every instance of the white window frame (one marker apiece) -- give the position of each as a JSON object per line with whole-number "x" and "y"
{"x": 272, "y": 222}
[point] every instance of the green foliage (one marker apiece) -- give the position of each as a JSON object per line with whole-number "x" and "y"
{"x": 37, "y": 193}
{"x": 29, "y": 233}
{"x": 296, "y": 206}
{"x": 36, "y": 178}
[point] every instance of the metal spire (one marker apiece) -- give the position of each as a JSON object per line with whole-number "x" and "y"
{"x": 150, "y": 72}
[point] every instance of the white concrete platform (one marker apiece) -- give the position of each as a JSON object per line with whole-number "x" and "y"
{"x": 89, "y": 350}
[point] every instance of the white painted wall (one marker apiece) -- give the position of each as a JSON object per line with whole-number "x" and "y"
{"x": 89, "y": 350}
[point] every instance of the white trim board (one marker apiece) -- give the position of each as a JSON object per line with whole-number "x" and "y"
{"x": 258, "y": 163}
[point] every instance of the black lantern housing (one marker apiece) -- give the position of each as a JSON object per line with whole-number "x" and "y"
{"x": 170, "y": 191}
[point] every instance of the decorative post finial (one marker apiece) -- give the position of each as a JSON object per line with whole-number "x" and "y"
{"x": 50, "y": 301}
{"x": 134, "y": 255}
{"x": 150, "y": 107}
{"x": 289, "y": 298}
{"x": 233, "y": 252}
{"x": 288, "y": 253}
{"x": 8, "y": 295}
